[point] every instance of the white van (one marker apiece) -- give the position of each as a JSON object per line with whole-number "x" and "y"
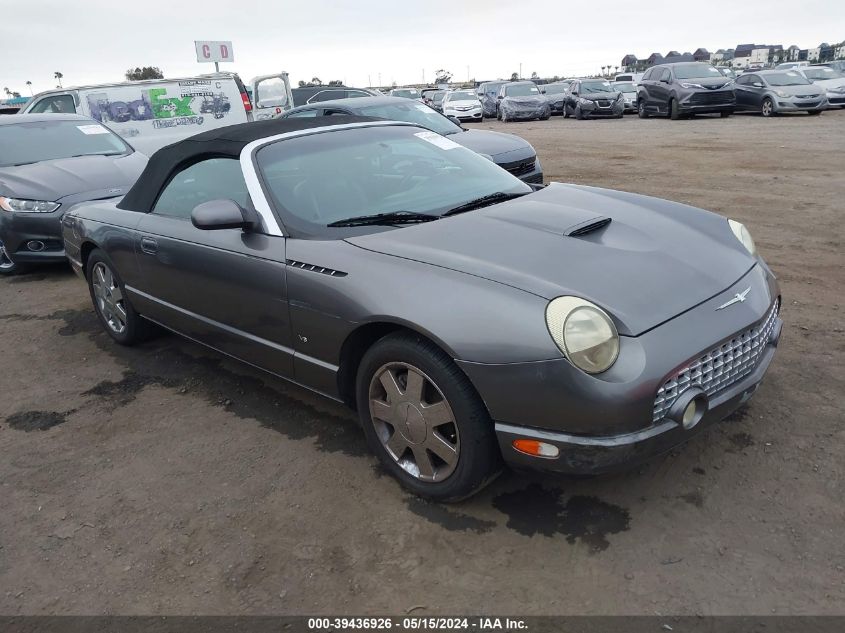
{"x": 153, "y": 113}
{"x": 632, "y": 77}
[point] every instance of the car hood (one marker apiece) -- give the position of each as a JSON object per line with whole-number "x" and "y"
{"x": 653, "y": 261}
{"x": 829, "y": 83}
{"x": 494, "y": 144}
{"x": 799, "y": 91}
{"x": 538, "y": 100}
{"x": 58, "y": 180}
{"x": 712, "y": 83}
{"x": 610, "y": 96}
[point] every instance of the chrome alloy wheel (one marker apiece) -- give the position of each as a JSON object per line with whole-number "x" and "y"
{"x": 768, "y": 107}
{"x": 109, "y": 298}
{"x": 414, "y": 422}
{"x": 6, "y": 262}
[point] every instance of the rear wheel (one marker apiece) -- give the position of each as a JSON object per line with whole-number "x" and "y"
{"x": 116, "y": 314}
{"x": 768, "y": 107}
{"x": 674, "y": 111}
{"x": 641, "y": 111}
{"x": 725, "y": 113}
{"x": 424, "y": 420}
{"x": 814, "y": 112}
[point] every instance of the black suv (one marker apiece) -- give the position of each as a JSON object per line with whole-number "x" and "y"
{"x": 684, "y": 89}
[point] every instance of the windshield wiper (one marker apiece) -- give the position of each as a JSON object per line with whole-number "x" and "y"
{"x": 392, "y": 217}
{"x": 97, "y": 154}
{"x": 483, "y": 201}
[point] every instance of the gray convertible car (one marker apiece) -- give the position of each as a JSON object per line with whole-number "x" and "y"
{"x": 49, "y": 162}
{"x": 469, "y": 319}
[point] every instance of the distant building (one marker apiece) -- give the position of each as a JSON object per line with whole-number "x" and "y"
{"x": 813, "y": 54}
{"x": 654, "y": 59}
{"x": 678, "y": 57}
{"x": 629, "y": 61}
{"x": 701, "y": 55}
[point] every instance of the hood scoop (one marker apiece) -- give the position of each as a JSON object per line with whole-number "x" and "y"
{"x": 587, "y": 227}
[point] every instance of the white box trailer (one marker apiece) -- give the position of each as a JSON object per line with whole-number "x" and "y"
{"x": 152, "y": 113}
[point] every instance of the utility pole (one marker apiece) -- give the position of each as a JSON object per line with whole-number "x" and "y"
{"x": 369, "y": 81}
{"x": 379, "y": 80}
{"x": 467, "y": 73}
{"x": 520, "y": 70}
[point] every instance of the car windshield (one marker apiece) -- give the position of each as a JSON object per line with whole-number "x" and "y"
{"x": 438, "y": 96}
{"x": 36, "y": 141}
{"x": 822, "y": 73}
{"x": 492, "y": 87}
{"x": 522, "y": 90}
{"x": 556, "y": 89}
{"x": 418, "y": 113}
{"x": 697, "y": 71}
{"x": 324, "y": 178}
{"x": 597, "y": 86}
{"x": 408, "y": 93}
{"x": 789, "y": 78}
{"x": 463, "y": 95}
{"x": 624, "y": 86}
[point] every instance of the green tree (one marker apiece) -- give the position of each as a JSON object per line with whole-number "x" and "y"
{"x": 58, "y": 76}
{"x": 146, "y": 72}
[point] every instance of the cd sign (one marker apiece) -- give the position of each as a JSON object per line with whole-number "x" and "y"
{"x": 214, "y": 51}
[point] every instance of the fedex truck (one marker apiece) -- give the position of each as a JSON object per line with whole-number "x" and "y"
{"x": 153, "y": 113}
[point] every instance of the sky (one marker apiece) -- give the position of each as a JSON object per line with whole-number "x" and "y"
{"x": 378, "y": 42}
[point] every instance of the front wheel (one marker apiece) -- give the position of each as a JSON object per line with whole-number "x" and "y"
{"x": 578, "y": 113}
{"x": 424, "y": 420}
{"x": 725, "y": 113}
{"x": 768, "y": 107}
{"x": 115, "y": 312}
{"x": 814, "y": 112}
{"x": 641, "y": 111}
{"x": 7, "y": 265}
{"x": 674, "y": 111}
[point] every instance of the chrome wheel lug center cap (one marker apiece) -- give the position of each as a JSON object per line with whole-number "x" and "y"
{"x": 412, "y": 426}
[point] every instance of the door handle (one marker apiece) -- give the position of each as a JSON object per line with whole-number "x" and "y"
{"x": 149, "y": 245}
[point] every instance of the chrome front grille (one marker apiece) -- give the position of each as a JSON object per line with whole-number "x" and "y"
{"x": 720, "y": 367}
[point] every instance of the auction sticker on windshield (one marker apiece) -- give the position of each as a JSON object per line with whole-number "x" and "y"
{"x": 436, "y": 139}
{"x": 92, "y": 129}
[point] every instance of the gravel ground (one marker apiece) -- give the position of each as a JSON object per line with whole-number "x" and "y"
{"x": 168, "y": 479}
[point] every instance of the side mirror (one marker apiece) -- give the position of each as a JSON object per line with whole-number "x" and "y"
{"x": 500, "y": 96}
{"x": 222, "y": 214}
{"x": 665, "y": 80}
{"x": 757, "y": 84}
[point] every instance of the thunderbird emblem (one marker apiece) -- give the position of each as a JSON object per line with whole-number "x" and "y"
{"x": 738, "y": 298}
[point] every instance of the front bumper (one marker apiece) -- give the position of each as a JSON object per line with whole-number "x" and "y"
{"x": 609, "y": 422}
{"x": 24, "y": 233}
{"x": 593, "y": 109}
{"x": 604, "y": 454}
{"x": 800, "y": 105}
{"x": 835, "y": 99}
{"x": 464, "y": 115}
{"x": 706, "y": 103}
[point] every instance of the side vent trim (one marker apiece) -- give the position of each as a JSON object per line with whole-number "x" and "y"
{"x": 315, "y": 269}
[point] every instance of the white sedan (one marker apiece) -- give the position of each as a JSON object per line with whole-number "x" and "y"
{"x": 462, "y": 104}
{"x": 828, "y": 79}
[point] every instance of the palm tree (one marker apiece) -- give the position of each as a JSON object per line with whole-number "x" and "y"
{"x": 7, "y": 91}
{"x": 29, "y": 84}
{"x": 58, "y": 76}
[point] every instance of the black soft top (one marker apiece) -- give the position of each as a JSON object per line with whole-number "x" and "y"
{"x": 223, "y": 142}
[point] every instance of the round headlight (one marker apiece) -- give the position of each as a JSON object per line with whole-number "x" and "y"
{"x": 743, "y": 236}
{"x": 584, "y": 333}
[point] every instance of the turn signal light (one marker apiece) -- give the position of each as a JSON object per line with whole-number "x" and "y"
{"x": 536, "y": 448}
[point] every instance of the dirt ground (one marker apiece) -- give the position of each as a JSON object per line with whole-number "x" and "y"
{"x": 167, "y": 479}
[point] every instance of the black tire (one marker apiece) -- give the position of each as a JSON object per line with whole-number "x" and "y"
{"x": 725, "y": 113}
{"x": 641, "y": 111}
{"x": 814, "y": 112}
{"x": 578, "y": 113}
{"x": 136, "y": 328}
{"x": 545, "y": 118}
{"x": 479, "y": 459}
{"x": 565, "y": 113}
{"x": 674, "y": 111}
{"x": 768, "y": 108}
